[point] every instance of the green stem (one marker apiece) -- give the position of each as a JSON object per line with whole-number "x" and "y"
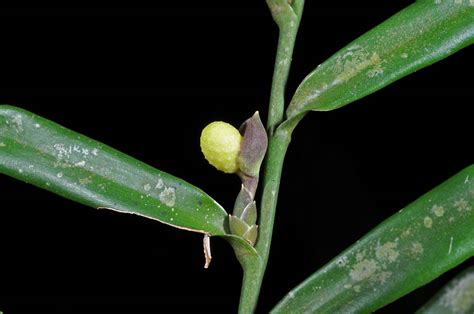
{"x": 287, "y": 18}
{"x": 250, "y": 284}
{"x": 254, "y": 269}
{"x": 271, "y": 183}
{"x": 273, "y": 168}
{"x": 254, "y": 266}
{"x": 287, "y": 15}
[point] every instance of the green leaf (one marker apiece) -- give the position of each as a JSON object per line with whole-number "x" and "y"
{"x": 457, "y": 297}
{"x": 76, "y": 167}
{"x": 428, "y": 237}
{"x": 420, "y": 35}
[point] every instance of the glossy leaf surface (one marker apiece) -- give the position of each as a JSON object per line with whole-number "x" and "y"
{"x": 43, "y": 153}
{"x": 420, "y": 35}
{"x": 422, "y": 241}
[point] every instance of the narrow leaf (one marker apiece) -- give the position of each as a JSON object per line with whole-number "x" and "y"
{"x": 76, "y": 167}
{"x": 422, "y": 34}
{"x": 457, "y": 297}
{"x": 428, "y": 237}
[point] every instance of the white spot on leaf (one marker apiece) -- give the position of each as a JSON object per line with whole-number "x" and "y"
{"x": 17, "y": 123}
{"x": 160, "y": 184}
{"x": 416, "y": 248}
{"x": 383, "y": 276}
{"x": 387, "y": 252}
{"x": 406, "y": 233}
{"x": 85, "y": 181}
{"x": 342, "y": 261}
{"x": 360, "y": 256}
{"x": 462, "y": 205}
{"x": 437, "y": 210}
{"x": 363, "y": 270}
{"x": 428, "y": 222}
{"x": 80, "y": 163}
{"x": 168, "y": 196}
{"x": 356, "y": 60}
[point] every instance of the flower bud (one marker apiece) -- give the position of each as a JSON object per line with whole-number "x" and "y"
{"x": 220, "y": 144}
{"x": 254, "y": 146}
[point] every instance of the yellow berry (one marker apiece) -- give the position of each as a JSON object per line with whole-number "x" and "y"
{"x": 220, "y": 144}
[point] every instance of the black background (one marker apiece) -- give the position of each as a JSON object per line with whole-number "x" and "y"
{"x": 146, "y": 81}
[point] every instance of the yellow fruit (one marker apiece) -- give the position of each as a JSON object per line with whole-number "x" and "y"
{"x": 220, "y": 144}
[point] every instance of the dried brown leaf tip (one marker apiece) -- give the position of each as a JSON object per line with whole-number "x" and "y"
{"x": 206, "y": 243}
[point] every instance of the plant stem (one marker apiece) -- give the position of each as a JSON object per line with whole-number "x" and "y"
{"x": 251, "y": 283}
{"x": 287, "y": 15}
{"x": 273, "y": 168}
{"x": 254, "y": 268}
